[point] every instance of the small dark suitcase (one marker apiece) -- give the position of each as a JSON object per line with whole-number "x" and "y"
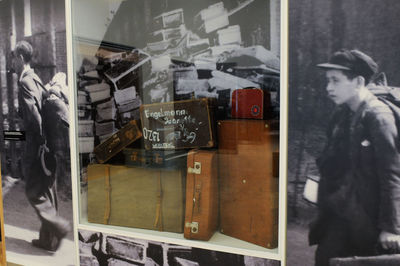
{"x": 114, "y": 144}
{"x": 179, "y": 125}
{"x": 201, "y": 217}
{"x": 124, "y": 74}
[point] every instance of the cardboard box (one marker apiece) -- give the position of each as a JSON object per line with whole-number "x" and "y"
{"x": 229, "y": 35}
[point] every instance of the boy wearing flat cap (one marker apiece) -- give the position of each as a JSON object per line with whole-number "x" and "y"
{"x": 359, "y": 190}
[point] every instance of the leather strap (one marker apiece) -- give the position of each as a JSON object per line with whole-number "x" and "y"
{"x": 107, "y": 189}
{"x": 197, "y": 193}
{"x": 158, "y": 223}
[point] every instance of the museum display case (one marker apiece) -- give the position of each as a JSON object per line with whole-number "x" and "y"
{"x": 179, "y": 122}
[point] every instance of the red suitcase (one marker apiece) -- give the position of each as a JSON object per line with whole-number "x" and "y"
{"x": 250, "y": 103}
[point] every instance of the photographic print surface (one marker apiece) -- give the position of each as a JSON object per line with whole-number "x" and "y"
{"x": 35, "y": 159}
{"x": 105, "y": 249}
{"x": 317, "y": 29}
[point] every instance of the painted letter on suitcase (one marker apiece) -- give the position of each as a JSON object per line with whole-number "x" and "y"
{"x": 201, "y": 216}
{"x": 248, "y": 190}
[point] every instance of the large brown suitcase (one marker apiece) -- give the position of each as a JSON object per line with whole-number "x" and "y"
{"x": 136, "y": 197}
{"x": 114, "y": 144}
{"x": 201, "y": 217}
{"x": 179, "y": 125}
{"x": 248, "y": 190}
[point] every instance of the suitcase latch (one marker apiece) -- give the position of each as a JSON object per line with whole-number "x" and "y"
{"x": 194, "y": 227}
{"x": 196, "y": 169}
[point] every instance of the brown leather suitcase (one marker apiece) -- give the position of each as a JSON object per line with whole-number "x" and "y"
{"x": 248, "y": 190}
{"x": 136, "y": 197}
{"x": 179, "y": 125}
{"x": 201, "y": 217}
{"x": 114, "y": 144}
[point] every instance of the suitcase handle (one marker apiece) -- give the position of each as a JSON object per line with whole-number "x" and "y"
{"x": 196, "y": 199}
{"x": 116, "y": 141}
{"x": 250, "y": 88}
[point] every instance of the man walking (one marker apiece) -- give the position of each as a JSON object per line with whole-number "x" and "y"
{"x": 40, "y": 188}
{"x": 359, "y": 190}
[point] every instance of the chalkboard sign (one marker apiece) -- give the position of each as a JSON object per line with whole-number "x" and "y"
{"x": 178, "y": 125}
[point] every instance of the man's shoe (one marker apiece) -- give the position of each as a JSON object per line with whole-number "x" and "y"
{"x": 62, "y": 227}
{"x": 52, "y": 247}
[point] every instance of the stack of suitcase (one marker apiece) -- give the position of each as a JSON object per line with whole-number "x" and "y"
{"x": 169, "y": 30}
{"x": 182, "y": 170}
{"x": 148, "y": 191}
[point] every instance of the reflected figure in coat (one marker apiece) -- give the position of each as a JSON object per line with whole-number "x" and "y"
{"x": 359, "y": 191}
{"x": 40, "y": 185}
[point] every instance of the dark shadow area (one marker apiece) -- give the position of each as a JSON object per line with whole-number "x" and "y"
{"x": 24, "y": 247}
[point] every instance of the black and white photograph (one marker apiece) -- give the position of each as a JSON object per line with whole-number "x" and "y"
{"x": 35, "y": 160}
{"x": 344, "y": 126}
{"x": 164, "y": 51}
{"x": 98, "y": 249}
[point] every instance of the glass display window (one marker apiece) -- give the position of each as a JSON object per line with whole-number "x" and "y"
{"x": 177, "y": 121}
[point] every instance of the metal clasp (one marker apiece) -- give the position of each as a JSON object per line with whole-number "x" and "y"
{"x": 194, "y": 227}
{"x": 196, "y": 169}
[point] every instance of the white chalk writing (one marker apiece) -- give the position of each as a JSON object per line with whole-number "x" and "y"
{"x": 166, "y": 113}
{"x": 163, "y": 146}
{"x": 151, "y": 135}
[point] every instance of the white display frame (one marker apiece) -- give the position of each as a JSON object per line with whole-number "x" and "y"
{"x": 219, "y": 242}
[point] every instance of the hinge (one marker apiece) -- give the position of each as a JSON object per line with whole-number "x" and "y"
{"x": 196, "y": 169}
{"x": 194, "y": 227}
